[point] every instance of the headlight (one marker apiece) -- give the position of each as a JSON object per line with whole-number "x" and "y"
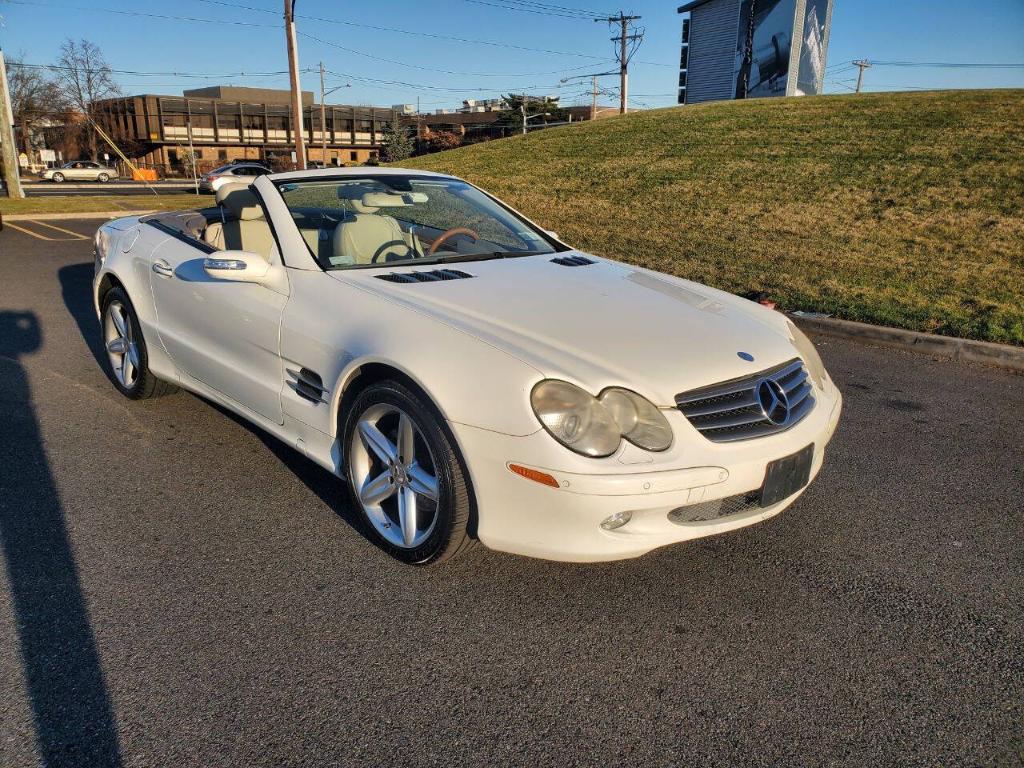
{"x": 815, "y": 368}
{"x": 596, "y": 426}
{"x": 575, "y": 418}
{"x": 639, "y": 420}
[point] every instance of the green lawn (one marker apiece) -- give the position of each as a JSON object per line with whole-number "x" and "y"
{"x": 84, "y": 204}
{"x": 900, "y": 209}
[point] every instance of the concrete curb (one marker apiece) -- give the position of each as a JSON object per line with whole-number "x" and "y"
{"x": 969, "y": 350}
{"x": 76, "y": 215}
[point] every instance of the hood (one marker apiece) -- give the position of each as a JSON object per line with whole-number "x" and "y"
{"x": 599, "y": 325}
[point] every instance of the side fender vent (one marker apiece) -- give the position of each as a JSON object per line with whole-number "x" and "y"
{"x": 432, "y": 276}
{"x": 573, "y": 261}
{"x": 308, "y": 385}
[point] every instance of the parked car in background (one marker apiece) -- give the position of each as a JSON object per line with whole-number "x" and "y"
{"x": 80, "y": 170}
{"x": 241, "y": 173}
{"x": 466, "y": 372}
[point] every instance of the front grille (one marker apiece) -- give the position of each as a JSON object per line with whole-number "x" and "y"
{"x": 432, "y": 276}
{"x": 735, "y": 410}
{"x": 713, "y": 510}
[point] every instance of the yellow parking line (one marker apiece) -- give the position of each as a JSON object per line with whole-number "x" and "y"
{"x": 59, "y": 229}
{"x": 29, "y": 232}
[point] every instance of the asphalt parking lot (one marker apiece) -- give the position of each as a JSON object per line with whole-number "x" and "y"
{"x": 182, "y": 590}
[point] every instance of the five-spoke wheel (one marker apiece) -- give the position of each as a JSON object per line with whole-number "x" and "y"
{"x": 405, "y": 474}
{"x": 126, "y": 349}
{"x": 394, "y": 476}
{"x": 122, "y": 350}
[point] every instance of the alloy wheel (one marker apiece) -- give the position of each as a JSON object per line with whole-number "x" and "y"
{"x": 394, "y": 476}
{"x": 119, "y": 341}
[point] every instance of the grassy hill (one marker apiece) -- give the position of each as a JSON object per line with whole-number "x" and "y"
{"x": 901, "y": 209}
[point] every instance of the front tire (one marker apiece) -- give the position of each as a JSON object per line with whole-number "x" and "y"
{"x": 126, "y": 350}
{"x": 405, "y": 475}
{"x": 58, "y": 178}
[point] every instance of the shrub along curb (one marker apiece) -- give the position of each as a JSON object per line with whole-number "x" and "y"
{"x": 970, "y": 350}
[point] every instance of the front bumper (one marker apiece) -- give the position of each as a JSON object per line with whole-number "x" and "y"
{"x": 524, "y": 517}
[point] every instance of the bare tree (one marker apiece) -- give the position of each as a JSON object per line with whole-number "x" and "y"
{"x": 35, "y": 99}
{"x": 85, "y": 79}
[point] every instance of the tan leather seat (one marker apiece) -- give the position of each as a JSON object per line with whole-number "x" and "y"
{"x": 365, "y": 236}
{"x": 242, "y": 226}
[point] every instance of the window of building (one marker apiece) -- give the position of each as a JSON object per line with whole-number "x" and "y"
{"x": 353, "y": 156}
{"x": 222, "y": 154}
{"x": 172, "y": 157}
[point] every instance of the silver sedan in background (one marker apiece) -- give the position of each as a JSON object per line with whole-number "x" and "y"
{"x": 80, "y": 170}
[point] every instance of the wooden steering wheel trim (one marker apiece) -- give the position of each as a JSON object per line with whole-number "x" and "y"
{"x": 449, "y": 234}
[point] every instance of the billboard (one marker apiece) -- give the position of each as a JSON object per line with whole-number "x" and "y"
{"x": 745, "y": 49}
{"x": 811, "y": 76}
{"x": 763, "y": 46}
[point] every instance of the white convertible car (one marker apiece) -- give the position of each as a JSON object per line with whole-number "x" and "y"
{"x": 467, "y": 374}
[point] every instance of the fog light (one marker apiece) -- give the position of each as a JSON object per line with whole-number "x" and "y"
{"x": 617, "y": 520}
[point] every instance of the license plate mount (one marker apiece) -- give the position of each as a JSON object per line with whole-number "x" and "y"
{"x": 784, "y": 477}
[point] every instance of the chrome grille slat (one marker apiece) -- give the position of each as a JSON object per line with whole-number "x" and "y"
{"x": 731, "y": 410}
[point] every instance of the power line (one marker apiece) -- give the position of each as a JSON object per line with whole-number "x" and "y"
{"x": 397, "y": 30}
{"x": 541, "y": 9}
{"x": 435, "y": 69}
{"x": 947, "y": 64}
{"x": 137, "y": 73}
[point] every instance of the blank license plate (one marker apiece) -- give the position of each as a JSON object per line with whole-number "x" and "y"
{"x": 786, "y": 476}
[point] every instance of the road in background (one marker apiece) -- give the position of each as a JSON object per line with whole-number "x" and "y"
{"x": 94, "y": 188}
{"x": 182, "y": 589}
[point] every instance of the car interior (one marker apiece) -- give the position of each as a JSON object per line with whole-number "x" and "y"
{"x": 355, "y": 223}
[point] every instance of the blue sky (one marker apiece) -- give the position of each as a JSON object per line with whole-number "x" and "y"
{"x": 984, "y": 31}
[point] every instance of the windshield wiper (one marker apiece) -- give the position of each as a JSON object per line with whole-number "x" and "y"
{"x": 486, "y": 256}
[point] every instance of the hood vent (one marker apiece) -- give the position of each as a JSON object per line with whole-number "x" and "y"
{"x": 432, "y": 276}
{"x": 573, "y": 261}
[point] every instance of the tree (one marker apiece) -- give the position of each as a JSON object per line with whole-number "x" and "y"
{"x": 517, "y": 103}
{"x": 439, "y": 141}
{"x": 35, "y": 100}
{"x": 396, "y": 144}
{"x": 85, "y": 79}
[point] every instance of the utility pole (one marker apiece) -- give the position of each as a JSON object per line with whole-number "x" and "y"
{"x": 293, "y": 71}
{"x": 522, "y": 111}
{"x": 593, "y": 99}
{"x": 8, "y": 152}
{"x": 862, "y": 64}
{"x": 623, "y": 54}
{"x": 323, "y": 117}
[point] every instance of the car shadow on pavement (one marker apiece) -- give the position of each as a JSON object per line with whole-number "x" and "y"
{"x": 76, "y": 290}
{"x": 74, "y": 719}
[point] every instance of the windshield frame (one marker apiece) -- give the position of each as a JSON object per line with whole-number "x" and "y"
{"x": 383, "y": 178}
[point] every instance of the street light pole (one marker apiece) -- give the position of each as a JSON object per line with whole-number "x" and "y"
{"x": 293, "y": 71}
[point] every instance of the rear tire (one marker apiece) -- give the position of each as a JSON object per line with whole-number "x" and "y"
{"x": 103, "y": 178}
{"x": 126, "y": 350}
{"x": 400, "y": 455}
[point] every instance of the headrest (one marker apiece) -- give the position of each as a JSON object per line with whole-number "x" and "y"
{"x": 240, "y": 201}
{"x": 366, "y": 198}
{"x": 392, "y": 200}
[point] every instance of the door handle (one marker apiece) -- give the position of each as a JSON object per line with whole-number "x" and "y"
{"x": 163, "y": 269}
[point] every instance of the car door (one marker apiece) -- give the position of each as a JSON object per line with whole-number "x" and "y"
{"x": 223, "y": 333}
{"x": 75, "y": 171}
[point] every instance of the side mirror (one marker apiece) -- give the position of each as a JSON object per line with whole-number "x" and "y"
{"x": 237, "y": 266}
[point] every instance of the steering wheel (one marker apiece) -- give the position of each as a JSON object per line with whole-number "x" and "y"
{"x": 450, "y": 234}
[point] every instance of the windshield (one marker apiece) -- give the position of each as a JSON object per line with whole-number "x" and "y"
{"x": 359, "y": 222}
